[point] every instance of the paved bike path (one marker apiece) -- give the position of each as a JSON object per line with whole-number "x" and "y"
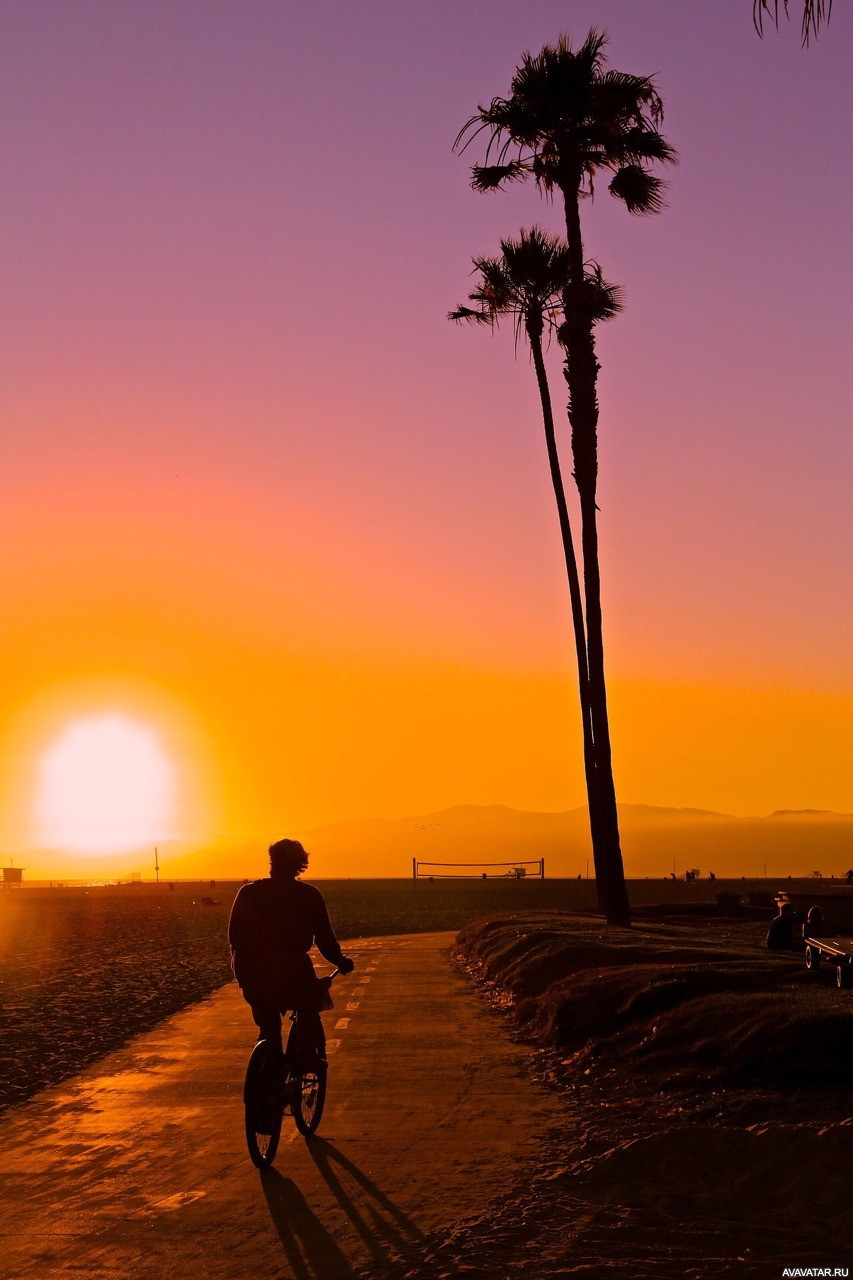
{"x": 137, "y": 1168}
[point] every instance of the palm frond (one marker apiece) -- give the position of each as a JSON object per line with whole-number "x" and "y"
{"x": 590, "y": 56}
{"x": 591, "y": 301}
{"x": 491, "y": 177}
{"x": 526, "y": 284}
{"x": 470, "y": 129}
{"x": 641, "y": 192}
{"x": 640, "y": 144}
{"x": 536, "y": 261}
{"x": 815, "y": 12}
{"x": 566, "y": 117}
{"x": 605, "y": 300}
{"x": 469, "y": 314}
{"x": 530, "y": 283}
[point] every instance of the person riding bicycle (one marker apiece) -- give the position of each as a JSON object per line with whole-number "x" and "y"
{"x": 273, "y": 924}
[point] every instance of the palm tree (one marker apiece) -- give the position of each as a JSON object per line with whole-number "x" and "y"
{"x": 526, "y": 283}
{"x": 566, "y": 120}
{"x": 814, "y": 13}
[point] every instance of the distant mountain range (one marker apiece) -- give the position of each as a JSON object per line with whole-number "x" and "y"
{"x": 655, "y": 842}
{"x": 654, "y": 839}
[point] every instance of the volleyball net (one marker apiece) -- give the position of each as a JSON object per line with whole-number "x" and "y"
{"x": 523, "y": 869}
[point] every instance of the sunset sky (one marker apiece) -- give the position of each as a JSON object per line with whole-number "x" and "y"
{"x": 264, "y": 505}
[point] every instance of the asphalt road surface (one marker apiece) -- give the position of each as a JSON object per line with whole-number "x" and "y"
{"x": 137, "y": 1168}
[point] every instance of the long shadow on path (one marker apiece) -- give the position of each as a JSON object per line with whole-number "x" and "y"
{"x": 396, "y": 1245}
{"x": 311, "y": 1251}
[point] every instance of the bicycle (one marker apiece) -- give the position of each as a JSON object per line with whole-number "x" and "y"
{"x": 275, "y": 1081}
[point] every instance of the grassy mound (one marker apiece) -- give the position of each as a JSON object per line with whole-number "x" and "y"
{"x": 680, "y": 1003}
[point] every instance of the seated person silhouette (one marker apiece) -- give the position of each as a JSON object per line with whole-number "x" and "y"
{"x": 780, "y": 935}
{"x": 273, "y": 924}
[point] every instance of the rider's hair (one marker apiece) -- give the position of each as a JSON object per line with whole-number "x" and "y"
{"x": 287, "y": 858}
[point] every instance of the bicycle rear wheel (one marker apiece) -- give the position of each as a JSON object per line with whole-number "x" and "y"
{"x": 263, "y": 1102}
{"x": 308, "y": 1097}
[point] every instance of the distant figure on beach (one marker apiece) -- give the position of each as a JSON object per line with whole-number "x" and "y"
{"x": 780, "y": 935}
{"x": 273, "y": 925}
{"x": 849, "y": 876}
{"x": 813, "y": 926}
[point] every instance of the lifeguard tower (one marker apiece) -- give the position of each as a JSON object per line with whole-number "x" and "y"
{"x": 12, "y": 876}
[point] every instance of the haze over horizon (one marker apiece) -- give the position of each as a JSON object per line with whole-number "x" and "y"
{"x": 280, "y": 539}
{"x": 655, "y": 841}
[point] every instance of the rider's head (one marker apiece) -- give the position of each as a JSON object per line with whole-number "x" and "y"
{"x": 287, "y": 859}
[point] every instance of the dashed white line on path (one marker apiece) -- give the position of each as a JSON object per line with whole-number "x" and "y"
{"x": 342, "y": 1024}
{"x": 352, "y": 1005}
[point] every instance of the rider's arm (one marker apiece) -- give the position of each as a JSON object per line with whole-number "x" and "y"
{"x": 324, "y": 934}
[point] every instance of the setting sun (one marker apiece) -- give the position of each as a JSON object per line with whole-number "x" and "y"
{"x": 104, "y": 784}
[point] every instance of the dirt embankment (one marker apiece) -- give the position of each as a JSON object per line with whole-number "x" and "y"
{"x": 706, "y": 1084}
{"x": 677, "y": 1002}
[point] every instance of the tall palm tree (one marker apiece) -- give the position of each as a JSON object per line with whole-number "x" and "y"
{"x": 526, "y": 283}
{"x": 814, "y": 13}
{"x": 567, "y": 119}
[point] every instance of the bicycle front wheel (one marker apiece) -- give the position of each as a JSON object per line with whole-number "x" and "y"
{"x": 309, "y": 1097}
{"x": 263, "y": 1102}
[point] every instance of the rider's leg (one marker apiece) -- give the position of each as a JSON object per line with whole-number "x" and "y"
{"x": 268, "y": 1020}
{"x": 307, "y": 1036}
{"x": 310, "y": 1037}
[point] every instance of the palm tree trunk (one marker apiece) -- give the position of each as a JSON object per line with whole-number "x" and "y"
{"x": 593, "y": 801}
{"x": 615, "y": 892}
{"x": 581, "y": 372}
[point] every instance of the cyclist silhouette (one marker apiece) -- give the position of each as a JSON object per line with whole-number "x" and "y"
{"x": 273, "y": 924}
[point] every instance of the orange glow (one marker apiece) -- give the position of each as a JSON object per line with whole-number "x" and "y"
{"x": 97, "y": 765}
{"x": 746, "y": 750}
{"x": 104, "y": 785}
{"x": 297, "y": 677}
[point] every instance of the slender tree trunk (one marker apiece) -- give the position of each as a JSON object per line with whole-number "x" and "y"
{"x": 581, "y": 371}
{"x": 535, "y": 338}
{"x": 616, "y": 905}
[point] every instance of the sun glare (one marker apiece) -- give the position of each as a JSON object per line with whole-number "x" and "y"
{"x": 104, "y": 784}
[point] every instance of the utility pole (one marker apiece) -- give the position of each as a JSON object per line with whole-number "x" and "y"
{"x": 156, "y": 867}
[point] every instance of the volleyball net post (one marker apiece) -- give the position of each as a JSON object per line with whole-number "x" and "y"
{"x": 521, "y": 869}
